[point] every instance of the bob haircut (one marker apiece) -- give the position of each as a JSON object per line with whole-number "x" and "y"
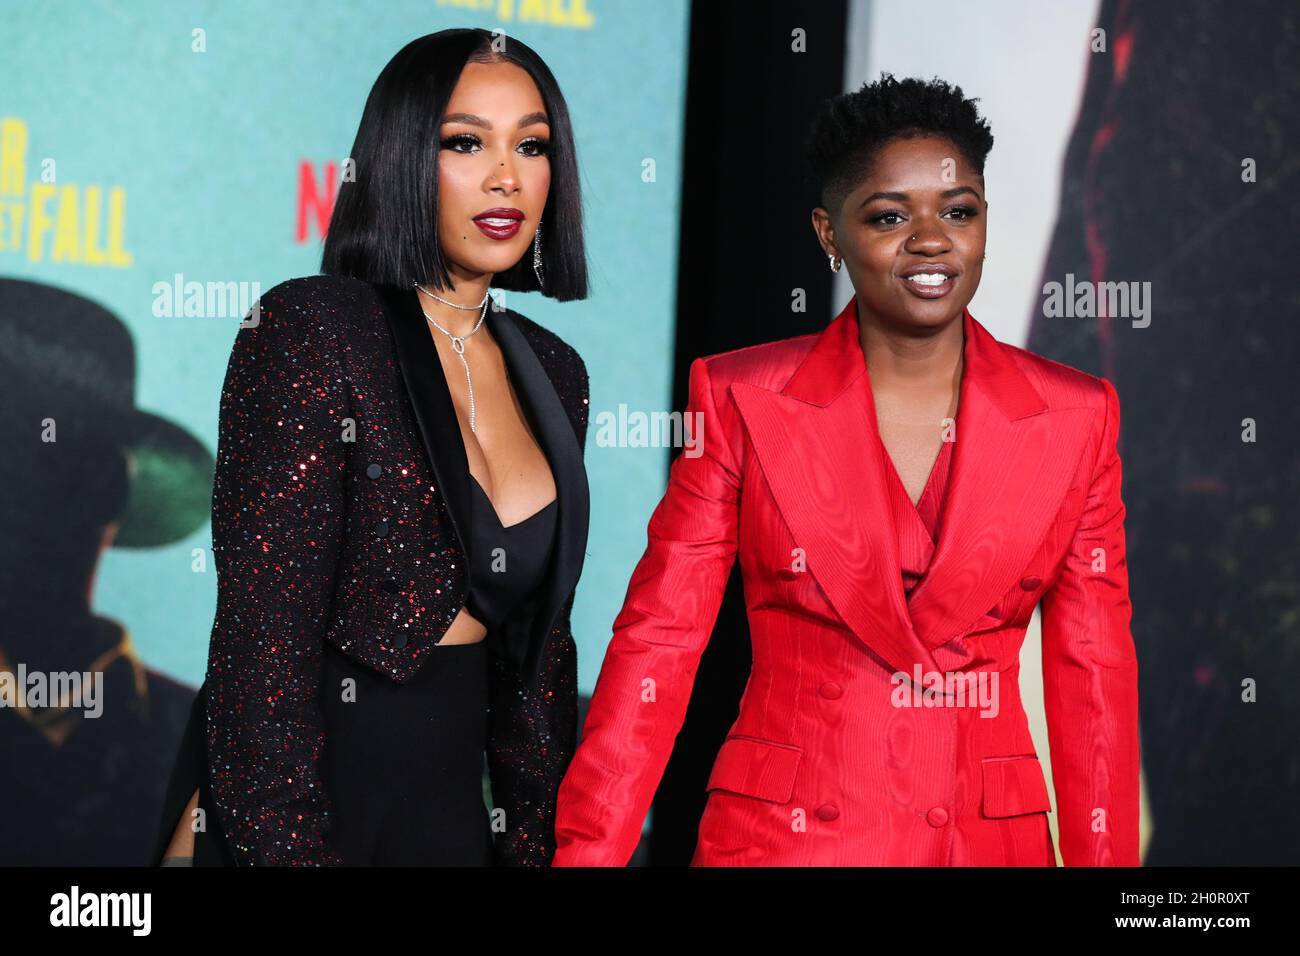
{"x": 384, "y": 228}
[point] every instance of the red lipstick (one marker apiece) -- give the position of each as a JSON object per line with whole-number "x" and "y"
{"x": 499, "y": 222}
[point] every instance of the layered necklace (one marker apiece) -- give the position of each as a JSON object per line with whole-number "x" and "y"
{"x": 458, "y": 341}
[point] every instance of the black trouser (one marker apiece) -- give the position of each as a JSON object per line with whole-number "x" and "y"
{"x": 403, "y": 764}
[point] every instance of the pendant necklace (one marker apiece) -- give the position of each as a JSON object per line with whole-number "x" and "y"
{"x": 458, "y": 341}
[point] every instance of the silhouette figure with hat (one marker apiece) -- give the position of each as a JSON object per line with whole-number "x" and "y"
{"x": 86, "y": 470}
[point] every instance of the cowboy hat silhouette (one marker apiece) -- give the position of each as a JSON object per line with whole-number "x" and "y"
{"x": 84, "y": 469}
{"x": 69, "y": 360}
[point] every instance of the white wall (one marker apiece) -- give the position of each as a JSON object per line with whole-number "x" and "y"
{"x": 1025, "y": 61}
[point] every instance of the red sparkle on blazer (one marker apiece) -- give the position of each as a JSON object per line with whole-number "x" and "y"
{"x": 340, "y": 511}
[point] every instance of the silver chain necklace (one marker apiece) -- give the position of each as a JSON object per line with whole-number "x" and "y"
{"x": 458, "y": 341}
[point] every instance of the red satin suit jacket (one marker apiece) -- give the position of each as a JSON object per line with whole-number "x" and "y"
{"x": 880, "y": 726}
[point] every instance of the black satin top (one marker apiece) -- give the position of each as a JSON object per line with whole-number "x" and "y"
{"x": 507, "y": 563}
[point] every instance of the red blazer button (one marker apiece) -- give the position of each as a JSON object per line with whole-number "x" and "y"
{"x": 828, "y": 812}
{"x": 937, "y": 817}
{"x": 831, "y": 691}
{"x": 1030, "y": 582}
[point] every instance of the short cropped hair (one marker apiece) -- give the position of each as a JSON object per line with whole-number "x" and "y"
{"x": 849, "y": 130}
{"x": 384, "y": 227}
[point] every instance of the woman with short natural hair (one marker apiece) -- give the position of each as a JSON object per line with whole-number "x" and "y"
{"x": 901, "y": 490}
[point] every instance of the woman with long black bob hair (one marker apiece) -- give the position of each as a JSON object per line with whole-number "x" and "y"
{"x": 400, "y": 505}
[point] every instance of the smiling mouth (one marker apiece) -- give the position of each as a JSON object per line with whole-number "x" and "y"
{"x": 929, "y": 285}
{"x": 499, "y": 227}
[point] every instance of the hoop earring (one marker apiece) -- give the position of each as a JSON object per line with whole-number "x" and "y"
{"x": 537, "y": 254}
{"x": 835, "y": 264}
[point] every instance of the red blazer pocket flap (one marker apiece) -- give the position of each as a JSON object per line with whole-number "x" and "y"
{"x": 755, "y": 768}
{"x": 1014, "y": 785}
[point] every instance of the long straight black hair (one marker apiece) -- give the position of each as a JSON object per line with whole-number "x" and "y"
{"x": 384, "y": 227}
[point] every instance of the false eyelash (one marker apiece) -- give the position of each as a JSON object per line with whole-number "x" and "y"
{"x": 451, "y": 141}
{"x": 543, "y": 145}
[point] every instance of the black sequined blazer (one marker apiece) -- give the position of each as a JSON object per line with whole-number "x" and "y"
{"x": 340, "y": 513}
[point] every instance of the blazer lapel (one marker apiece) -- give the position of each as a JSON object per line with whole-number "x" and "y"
{"x": 556, "y": 436}
{"x": 1013, "y": 463}
{"x": 828, "y": 479}
{"x": 817, "y": 443}
{"x": 435, "y": 412}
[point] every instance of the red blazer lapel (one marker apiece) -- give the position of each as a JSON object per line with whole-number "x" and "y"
{"x": 816, "y": 443}
{"x": 828, "y": 480}
{"x": 1012, "y": 465}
